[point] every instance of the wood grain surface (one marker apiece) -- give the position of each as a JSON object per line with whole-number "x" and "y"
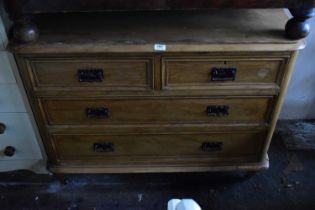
{"x": 157, "y": 100}
{"x": 181, "y": 31}
{"x": 156, "y": 110}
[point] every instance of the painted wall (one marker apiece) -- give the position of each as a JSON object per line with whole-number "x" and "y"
{"x": 6, "y": 21}
{"x": 300, "y": 99}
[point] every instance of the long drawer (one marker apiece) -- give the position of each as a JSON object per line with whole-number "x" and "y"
{"x": 122, "y": 148}
{"x": 156, "y": 110}
{"x": 114, "y": 73}
{"x": 208, "y": 72}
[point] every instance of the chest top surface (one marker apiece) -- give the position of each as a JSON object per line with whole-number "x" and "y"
{"x": 213, "y": 30}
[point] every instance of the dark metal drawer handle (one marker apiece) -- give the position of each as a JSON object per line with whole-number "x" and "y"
{"x": 9, "y": 151}
{"x": 97, "y": 112}
{"x": 212, "y": 146}
{"x": 91, "y": 75}
{"x": 223, "y": 74}
{"x": 217, "y": 111}
{"x": 104, "y": 147}
{"x": 2, "y": 128}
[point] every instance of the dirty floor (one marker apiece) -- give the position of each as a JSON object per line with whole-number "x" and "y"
{"x": 289, "y": 184}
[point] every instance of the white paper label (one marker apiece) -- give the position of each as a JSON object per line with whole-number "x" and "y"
{"x": 160, "y": 47}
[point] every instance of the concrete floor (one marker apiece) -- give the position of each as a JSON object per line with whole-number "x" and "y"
{"x": 288, "y": 184}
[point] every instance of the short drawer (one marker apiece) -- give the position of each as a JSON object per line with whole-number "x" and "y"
{"x": 183, "y": 73}
{"x": 156, "y": 110}
{"x": 133, "y": 147}
{"x": 123, "y": 73}
{"x": 11, "y": 99}
{"x": 17, "y": 132}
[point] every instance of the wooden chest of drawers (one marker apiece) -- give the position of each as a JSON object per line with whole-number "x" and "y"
{"x": 113, "y": 101}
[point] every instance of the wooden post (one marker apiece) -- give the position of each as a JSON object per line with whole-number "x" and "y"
{"x": 298, "y": 26}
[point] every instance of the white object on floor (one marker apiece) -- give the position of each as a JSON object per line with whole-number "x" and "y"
{"x": 184, "y": 204}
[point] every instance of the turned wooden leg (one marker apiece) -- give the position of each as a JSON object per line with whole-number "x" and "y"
{"x": 298, "y": 26}
{"x": 248, "y": 174}
{"x": 24, "y": 30}
{"x": 251, "y": 173}
{"x": 62, "y": 178}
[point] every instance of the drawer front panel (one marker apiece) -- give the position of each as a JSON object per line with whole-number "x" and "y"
{"x": 184, "y": 73}
{"x": 112, "y": 74}
{"x": 18, "y": 133}
{"x": 166, "y": 110}
{"x": 125, "y": 147}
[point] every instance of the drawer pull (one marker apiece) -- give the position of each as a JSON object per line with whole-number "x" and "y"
{"x": 2, "y": 128}
{"x": 9, "y": 151}
{"x": 104, "y": 147}
{"x": 212, "y": 146}
{"x": 223, "y": 74}
{"x": 217, "y": 111}
{"x": 97, "y": 112}
{"x": 91, "y": 75}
